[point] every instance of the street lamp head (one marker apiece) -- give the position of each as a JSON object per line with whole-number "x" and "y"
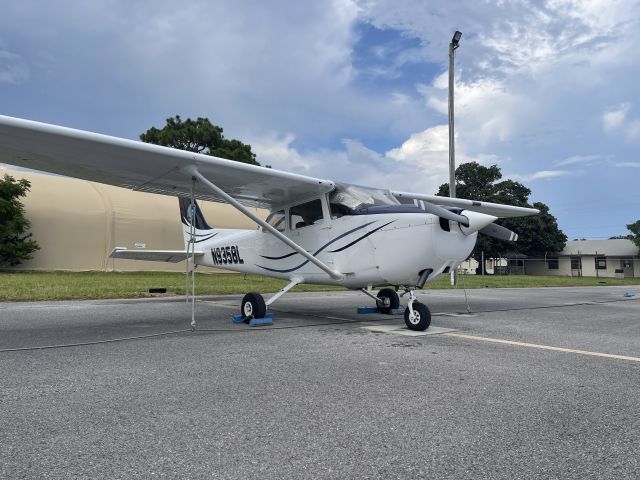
{"x": 456, "y": 38}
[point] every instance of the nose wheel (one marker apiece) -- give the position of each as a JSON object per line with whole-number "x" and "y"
{"x": 420, "y": 319}
{"x": 417, "y": 315}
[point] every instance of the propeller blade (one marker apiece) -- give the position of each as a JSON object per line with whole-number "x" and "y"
{"x": 444, "y": 213}
{"x": 501, "y": 233}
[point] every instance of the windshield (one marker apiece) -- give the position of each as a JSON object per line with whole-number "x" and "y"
{"x": 346, "y": 199}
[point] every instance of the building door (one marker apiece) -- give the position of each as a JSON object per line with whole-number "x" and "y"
{"x": 576, "y": 266}
{"x": 627, "y": 266}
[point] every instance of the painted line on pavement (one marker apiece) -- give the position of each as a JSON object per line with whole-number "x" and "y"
{"x": 544, "y": 347}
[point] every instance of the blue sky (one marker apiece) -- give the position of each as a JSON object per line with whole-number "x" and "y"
{"x": 356, "y": 90}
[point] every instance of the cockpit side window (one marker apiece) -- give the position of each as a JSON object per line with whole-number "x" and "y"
{"x": 306, "y": 214}
{"x": 276, "y": 220}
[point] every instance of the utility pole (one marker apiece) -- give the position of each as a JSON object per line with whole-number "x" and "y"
{"x": 452, "y": 147}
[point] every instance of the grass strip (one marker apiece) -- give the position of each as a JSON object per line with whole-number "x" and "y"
{"x": 30, "y": 286}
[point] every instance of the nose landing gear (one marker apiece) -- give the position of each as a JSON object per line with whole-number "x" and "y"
{"x": 417, "y": 315}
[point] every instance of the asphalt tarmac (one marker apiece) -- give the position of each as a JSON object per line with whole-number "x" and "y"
{"x": 535, "y": 383}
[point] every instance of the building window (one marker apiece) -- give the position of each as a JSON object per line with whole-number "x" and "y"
{"x": 576, "y": 263}
{"x": 601, "y": 262}
{"x": 552, "y": 263}
{"x": 626, "y": 263}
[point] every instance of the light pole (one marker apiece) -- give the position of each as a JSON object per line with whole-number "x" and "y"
{"x": 452, "y": 147}
{"x": 452, "y": 144}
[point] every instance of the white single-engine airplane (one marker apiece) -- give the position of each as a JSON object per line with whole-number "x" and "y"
{"x": 318, "y": 231}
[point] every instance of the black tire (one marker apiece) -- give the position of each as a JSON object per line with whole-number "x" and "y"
{"x": 422, "y": 320}
{"x": 252, "y": 306}
{"x": 389, "y": 300}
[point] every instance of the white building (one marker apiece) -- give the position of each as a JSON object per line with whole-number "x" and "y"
{"x": 590, "y": 258}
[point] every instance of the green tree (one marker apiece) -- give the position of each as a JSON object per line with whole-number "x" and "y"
{"x": 199, "y": 136}
{"x": 15, "y": 243}
{"x": 537, "y": 234}
{"x": 634, "y": 228}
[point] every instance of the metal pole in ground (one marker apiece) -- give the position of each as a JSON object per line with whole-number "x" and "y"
{"x": 453, "y": 45}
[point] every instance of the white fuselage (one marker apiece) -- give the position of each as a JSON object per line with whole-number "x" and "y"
{"x": 378, "y": 249}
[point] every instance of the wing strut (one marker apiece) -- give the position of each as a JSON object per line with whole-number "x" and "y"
{"x": 193, "y": 171}
{"x": 192, "y": 247}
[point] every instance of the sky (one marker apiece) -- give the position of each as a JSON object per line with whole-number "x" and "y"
{"x": 356, "y": 90}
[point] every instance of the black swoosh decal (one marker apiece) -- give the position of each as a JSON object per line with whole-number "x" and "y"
{"x": 186, "y": 224}
{"x": 361, "y": 238}
{"x": 281, "y": 257}
{"x": 204, "y": 239}
{"x": 318, "y": 251}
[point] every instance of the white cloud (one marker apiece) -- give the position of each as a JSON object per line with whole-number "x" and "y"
{"x": 400, "y": 98}
{"x": 13, "y": 69}
{"x": 616, "y": 120}
{"x": 540, "y": 175}
{"x": 420, "y": 163}
{"x": 582, "y": 160}
{"x": 549, "y": 174}
{"x": 357, "y": 153}
{"x": 427, "y": 147}
{"x": 485, "y": 110}
{"x": 276, "y": 151}
{"x": 527, "y": 74}
{"x": 628, "y": 164}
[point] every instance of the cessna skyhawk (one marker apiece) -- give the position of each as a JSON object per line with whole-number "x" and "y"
{"x": 318, "y": 231}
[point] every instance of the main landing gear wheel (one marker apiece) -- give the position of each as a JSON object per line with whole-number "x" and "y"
{"x": 252, "y": 306}
{"x": 389, "y": 300}
{"x": 421, "y": 318}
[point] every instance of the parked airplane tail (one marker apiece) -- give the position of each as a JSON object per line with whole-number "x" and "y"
{"x": 202, "y": 229}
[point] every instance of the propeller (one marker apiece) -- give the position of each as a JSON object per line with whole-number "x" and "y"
{"x": 444, "y": 213}
{"x": 499, "y": 232}
{"x": 471, "y": 222}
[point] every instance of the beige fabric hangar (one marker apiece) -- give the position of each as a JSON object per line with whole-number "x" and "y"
{"x": 77, "y": 223}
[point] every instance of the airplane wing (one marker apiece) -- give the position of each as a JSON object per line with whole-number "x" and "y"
{"x": 496, "y": 209}
{"x": 173, "y": 256}
{"x": 146, "y": 167}
{"x": 152, "y": 168}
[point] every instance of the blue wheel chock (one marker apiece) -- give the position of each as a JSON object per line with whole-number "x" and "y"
{"x": 255, "y": 322}
{"x": 365, "y": 310}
